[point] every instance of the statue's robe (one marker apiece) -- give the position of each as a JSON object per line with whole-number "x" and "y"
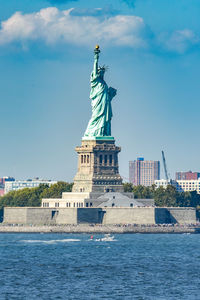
{"x": 101, "y": 96}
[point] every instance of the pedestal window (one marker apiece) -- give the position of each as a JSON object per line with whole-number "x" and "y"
{"x": 100, "y": 159}
{"x": 105, "y": 159}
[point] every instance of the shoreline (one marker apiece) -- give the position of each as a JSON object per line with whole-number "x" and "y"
{"x": 91, "y": 229}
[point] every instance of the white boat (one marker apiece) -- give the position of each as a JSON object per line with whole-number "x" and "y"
{"x": 107, "y": 238}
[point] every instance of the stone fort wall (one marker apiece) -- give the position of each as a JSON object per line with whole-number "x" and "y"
{"x": 138, "y": 215}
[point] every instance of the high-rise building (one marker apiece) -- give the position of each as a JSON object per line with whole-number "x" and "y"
{"x": 187, "y": 175}
{"x": 144, "y": 172}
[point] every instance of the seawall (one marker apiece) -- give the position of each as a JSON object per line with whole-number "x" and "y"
{"x": 106, "y": 216}
{"x": 98, "y": 229}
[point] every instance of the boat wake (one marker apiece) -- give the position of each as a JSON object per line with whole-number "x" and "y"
{"x": 50, "y": 241}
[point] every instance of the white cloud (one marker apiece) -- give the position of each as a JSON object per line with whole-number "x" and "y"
{"x": 52, "y": 25}
{"x": 179, "y": 41}
{"x": 88, "y": 27}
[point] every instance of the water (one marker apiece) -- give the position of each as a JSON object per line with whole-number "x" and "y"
{"x": 70, "y": 266}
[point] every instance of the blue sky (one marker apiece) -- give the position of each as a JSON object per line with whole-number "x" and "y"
{"x": 152, "y": 48}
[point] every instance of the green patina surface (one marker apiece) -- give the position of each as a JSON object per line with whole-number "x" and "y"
{"x": 98, "y": 138}
{"x": 101, "y": 96}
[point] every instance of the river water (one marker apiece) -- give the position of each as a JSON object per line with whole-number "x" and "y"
{"x": 71, "y": 266}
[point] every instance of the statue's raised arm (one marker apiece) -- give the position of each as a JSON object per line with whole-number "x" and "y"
{"x": 101, "y": 97}
{"x": 96, "y": 60}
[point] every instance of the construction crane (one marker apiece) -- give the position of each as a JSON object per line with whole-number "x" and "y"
{"x": 165, "y": 166}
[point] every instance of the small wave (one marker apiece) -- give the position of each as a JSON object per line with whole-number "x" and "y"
{"x": 100, "y": 240}
{"x": 50, "y": 241}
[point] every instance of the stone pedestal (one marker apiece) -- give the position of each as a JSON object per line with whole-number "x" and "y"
{"x": 98, "y": 169}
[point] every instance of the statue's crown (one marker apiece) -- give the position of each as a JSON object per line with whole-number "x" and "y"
{"x": 104, "y": 68}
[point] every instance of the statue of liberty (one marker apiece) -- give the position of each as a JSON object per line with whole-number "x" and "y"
{"x": 101, "y": 96}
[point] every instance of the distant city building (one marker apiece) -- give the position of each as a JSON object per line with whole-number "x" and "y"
{"x": 1, "y": 192}
{"x": 21, "y": 184}
{"x": 144, "y": 172}
{"x": 1, "y": 189}
{"x": 5, "y": 179}
{"x": 164, "y": 183}
{"x": 2, "y": 184}
{"x": 188, "y": 185}
{"x": 180, "y": 185}
{"x": 187, "y": 175}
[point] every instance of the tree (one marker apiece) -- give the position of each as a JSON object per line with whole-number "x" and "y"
{"x": 128, "y": 187}
{"x": 166, "y": 197}
{"x": 140, "y": 191}
{"x": 33, "y": 196}
{"x": 56, "y": 190}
